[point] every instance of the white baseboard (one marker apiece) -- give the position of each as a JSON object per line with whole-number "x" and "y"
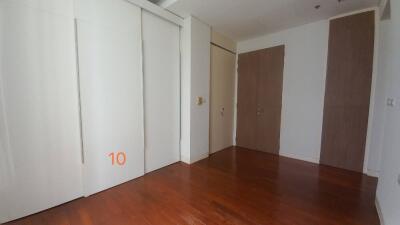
{"x": 379, "y": 210}
{"x": 372, "y": 173}
{"x": 298, "y": 157}
{"x": 191, "y": 160}
{"x": 185, "y": 159}
{"x": 198, "y": 158}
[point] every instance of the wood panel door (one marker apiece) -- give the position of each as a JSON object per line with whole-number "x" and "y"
{"x": 348, "y": 90}
{"x": 223, "y": 65}
{"x": 260, "y": 99}
{"x": 246, "y": 132}
{"x": 269, "y": 99}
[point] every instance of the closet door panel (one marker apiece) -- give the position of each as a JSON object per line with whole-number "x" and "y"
{"x": 260, "y": 86}
{"x": 161, "y": 91}
{"x": 111, "y": 97}
{"x": 269, "y": 99}
{"x": 248, "y": 69}
{"x": 348, "y": 91}
{"x": 222, "y": 98}
{"x": 40, "y": 144}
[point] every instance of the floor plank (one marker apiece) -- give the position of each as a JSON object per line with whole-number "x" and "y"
{"x": 234, "y": 186}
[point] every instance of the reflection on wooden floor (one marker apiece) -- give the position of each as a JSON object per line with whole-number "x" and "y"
{"x": 234, "y": 186}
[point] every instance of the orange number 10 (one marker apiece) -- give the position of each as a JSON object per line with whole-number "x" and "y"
{"x": 120, "y": 158}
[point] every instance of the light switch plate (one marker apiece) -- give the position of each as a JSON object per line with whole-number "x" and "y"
{"x": 200, "y": 101}
{"x": 391, "y": 102}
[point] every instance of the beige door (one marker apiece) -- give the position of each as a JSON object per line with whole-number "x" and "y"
{"x": 222, "y": 98}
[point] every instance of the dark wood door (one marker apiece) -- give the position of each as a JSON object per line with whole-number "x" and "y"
{"x": 248, "y": 66}
{"x": 348, "y": 90}
{"x": 260, "y": 99}
{"x": 269, "y": 99}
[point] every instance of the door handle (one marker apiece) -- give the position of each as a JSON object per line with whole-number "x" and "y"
{"x": 260, "y": 111}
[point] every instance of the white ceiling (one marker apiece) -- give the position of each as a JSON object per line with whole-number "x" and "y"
{"x": 244, "y": 19}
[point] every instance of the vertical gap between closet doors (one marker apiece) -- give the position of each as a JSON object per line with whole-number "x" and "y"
{"x": 78, "y": 80}
{"x": 143, "y": 87}
{"x": 180, "y": 93}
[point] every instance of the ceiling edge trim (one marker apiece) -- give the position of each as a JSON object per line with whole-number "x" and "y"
{"x": 375, "y": 8}
{"x": 157, "y": 10}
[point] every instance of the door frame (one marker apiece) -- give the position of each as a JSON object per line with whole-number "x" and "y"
{"x": 212, "y": 44}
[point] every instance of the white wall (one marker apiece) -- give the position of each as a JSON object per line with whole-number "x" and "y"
{"x": 223, "y": 41}
{"x": 388, "y": 194}
{"x": 195, "y": 83}
{"x": 374, "y": 143}
{"x": 304, "y": 76}
{"x": 185, "y": 89}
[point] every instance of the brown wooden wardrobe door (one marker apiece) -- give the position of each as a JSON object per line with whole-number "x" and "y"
{"x": 269, "y": 99}
{"x": 248, "y": 66}
{"x": 348, "y": 90}
{"x": 260, "y": 99}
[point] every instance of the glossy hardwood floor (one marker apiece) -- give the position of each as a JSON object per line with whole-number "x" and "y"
{"x": 234, "y": 186}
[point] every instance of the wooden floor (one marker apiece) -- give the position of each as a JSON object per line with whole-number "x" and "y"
{"x": 235, "y": 186}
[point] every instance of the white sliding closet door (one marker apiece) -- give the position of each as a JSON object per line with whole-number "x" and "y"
{"x": 161, "y": 91}
{"x": 109, "y": 46}
{"x": 40, "y": 148}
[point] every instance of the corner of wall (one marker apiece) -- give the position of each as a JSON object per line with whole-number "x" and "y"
{"x": 384, "y": 9}
{"x": 195, "y": 41}
{"x": 372, "y": 173}
{"x": 197, "y": 158}
{"x": 373, "y": 106}
{"x": 299, "y": 157}
{"x": 199, "y": 87}
{"x": 185, "y": 159}
{"x": 185, "y": 89}
{"x": 379, "y": 210}
{"x": 3, "y": 209}
{"x": 223, "y": 41}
